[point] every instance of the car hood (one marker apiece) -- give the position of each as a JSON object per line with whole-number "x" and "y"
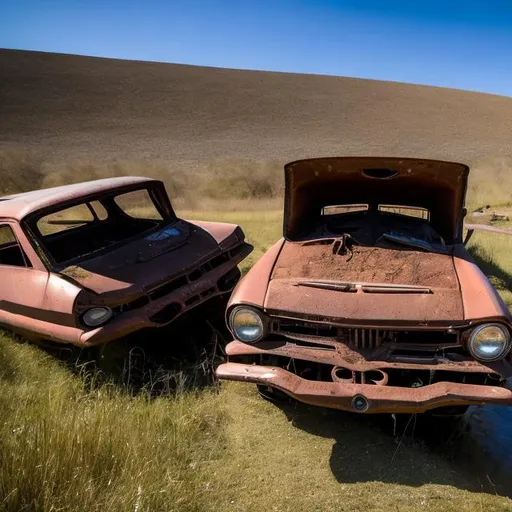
{"x": 370, "y": 283}
{"x": 312, "y": 184}
{"x": 143, "y": 264}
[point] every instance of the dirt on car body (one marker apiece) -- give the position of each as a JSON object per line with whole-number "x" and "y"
{"x": 89, "y": 263}
{"x": 371, "y": 302}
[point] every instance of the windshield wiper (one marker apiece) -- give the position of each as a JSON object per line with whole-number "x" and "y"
{"x": 353, "y": 287}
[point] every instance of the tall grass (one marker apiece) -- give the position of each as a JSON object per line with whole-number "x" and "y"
{"x": 199, "y": 187}
{"x": 65, "y": 445}
{"x": 489, "y": 182}
{"x": 243, "y": 183}
{"x": 20, "y": 170}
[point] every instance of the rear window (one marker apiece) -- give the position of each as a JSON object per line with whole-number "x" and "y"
{"x": 138, "y": 204}
{"x": 409, "y": 211}
{"x": 7, "y": 236}
{"x": 70, "y": 218}
{"x": 77, "y": 231}
{"x": 343, "y": 208}
{"x": 11, "y": 253}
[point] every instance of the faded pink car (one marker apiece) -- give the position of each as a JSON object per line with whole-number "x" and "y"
{"x": 370, "y": 302}
{"x": 85, "y": 264}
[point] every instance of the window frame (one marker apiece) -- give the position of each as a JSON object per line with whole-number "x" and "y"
{"x": 28, "y": 263}
{"x": 35, "y": 240}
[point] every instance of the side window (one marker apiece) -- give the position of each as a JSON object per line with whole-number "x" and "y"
{"x": 99, "y": 210}
{"x": 10, "y": 251}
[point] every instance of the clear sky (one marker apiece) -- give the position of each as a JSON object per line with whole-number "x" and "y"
{"x": 453, "y": 43}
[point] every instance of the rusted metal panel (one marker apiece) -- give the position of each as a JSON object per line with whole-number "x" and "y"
{"x": 366, "y": 311}
{"x": 144, "y": 272}
{"x": 253, "y": 288}
{"x": 300, "y": 264}
{"x": 380, "y": 399}
{"x": 442, "y": 304}
{"x": 435, "y": 185}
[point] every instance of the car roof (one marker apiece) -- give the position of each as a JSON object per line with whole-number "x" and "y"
{"x": 18, "y": 206}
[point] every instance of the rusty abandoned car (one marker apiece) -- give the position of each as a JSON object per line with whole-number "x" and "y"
{"x": 88, "y": 263}
{"x": 370, "y": 302}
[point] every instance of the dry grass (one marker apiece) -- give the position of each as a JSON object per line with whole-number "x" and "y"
{"x": 493, "y": 253}
{"x": 489, "y": 182}
{"x": 21, "y": 170}
{"x": 67, "y": 446}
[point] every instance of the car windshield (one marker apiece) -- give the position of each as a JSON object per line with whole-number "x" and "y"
{"x": 98, "y": 223}
{"x": 381, "y": 224}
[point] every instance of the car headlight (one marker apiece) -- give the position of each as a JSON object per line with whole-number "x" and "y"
{"x": 96, "y": 316}
{"x": 489, "y": 342}
{"x": 248, "y": 324}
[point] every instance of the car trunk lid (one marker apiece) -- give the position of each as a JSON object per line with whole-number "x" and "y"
{"x": 147, "y": 262}
{"x": 437, "y": 186}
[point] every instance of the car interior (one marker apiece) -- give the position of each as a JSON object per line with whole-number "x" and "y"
{"x": 369, "y": 224}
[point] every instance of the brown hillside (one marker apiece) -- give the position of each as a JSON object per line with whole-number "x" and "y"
{"x": 90, "y": 109}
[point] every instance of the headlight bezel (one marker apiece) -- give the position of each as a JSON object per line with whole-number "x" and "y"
{"x": 478, "y": 330}
{"x": 262, "y": 320}
{"x": 97, "y": 323}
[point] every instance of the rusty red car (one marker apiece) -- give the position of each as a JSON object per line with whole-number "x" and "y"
{"x": 371, "y": 302}
{"x": 88, "y": 263}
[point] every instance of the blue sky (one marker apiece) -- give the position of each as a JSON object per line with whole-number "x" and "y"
{"x": 461, "y": 44}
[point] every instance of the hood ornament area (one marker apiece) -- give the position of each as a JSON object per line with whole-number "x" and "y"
{"x": 349, "y": 287}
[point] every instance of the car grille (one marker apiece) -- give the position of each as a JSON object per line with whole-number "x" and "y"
{"x": 226, "y": 283}
{"x": 195, "y": 274}
{"x": 362, "y": 338}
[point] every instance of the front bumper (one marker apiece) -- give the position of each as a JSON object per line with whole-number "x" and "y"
{"x": 379, "y": 399}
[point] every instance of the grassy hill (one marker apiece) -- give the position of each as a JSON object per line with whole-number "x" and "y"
{"x": 93, "y": 108}
{"x": 69, "y": 440}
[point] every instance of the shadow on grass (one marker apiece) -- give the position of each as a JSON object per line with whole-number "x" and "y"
{"x": 411, "y": 450}
{"x": 180, "y": 357}
{"x": 498, "y": 276}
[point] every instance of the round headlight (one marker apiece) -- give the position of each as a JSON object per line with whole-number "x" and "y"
{"x": 247, "y": 324}
{"x": 489, "y": 342}
{"x": 96, "y": 316}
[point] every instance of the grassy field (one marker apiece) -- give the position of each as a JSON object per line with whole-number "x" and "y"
{"x": 67, "y": 443}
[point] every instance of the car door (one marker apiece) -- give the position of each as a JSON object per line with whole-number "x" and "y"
{"x": 23, "y": 281}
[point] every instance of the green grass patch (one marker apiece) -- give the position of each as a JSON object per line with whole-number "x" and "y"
{"x": 68, "y": 445}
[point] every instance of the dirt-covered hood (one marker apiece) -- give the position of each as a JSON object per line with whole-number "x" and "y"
{"x": 438, "y": 186}
{"x": 147, "y": 262}
{"x": 369, "y": 283}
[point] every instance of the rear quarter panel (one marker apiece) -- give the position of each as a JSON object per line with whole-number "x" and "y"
{"x": 225, "y": 234}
